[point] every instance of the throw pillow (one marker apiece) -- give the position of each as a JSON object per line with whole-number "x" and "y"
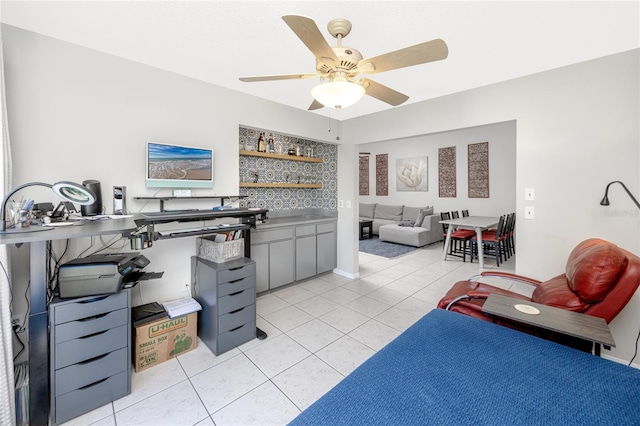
{"x": 423, "y": 213}
{"x": 406, "y": 223}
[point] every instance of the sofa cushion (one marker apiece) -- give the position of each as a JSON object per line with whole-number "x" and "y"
{"x": 367, "y": 210}
{"x": 388, "y": 212}
{"x": 427, "y": 211}
{"x": 410, "y": 213}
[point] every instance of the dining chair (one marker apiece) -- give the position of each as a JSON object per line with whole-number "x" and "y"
{"x": 465, "y": 213}
{"x": 459, "y": 245}
{"x": 493, "y": 243}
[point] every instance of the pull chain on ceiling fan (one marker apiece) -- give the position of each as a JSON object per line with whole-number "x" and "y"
{"x": 338, "y": 66}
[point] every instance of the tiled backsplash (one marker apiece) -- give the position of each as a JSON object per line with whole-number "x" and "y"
{"x": 288, "y": 171}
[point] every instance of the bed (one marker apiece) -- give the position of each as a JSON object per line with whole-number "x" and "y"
{"x": 451, "y": 369}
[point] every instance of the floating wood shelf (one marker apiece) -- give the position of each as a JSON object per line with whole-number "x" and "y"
{"x": 280, "y": 185}
{"x": 281, "y": 156}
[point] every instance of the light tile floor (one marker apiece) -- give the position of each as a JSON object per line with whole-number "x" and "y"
{"x": 318, "y": 332}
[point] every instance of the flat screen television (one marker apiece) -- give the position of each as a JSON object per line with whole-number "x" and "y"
{"x": 178, "y": 166}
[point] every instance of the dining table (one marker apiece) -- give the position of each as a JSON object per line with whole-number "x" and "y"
{"x": 477, "y": 223}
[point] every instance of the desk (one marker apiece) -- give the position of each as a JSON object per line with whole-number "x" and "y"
{"x": 582, "y": 326}
{"x": 38, "y": 316}
{"x": 477, "y": 223}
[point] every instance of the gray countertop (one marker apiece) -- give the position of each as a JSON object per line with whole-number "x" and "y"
{"x": 276, "y": 222}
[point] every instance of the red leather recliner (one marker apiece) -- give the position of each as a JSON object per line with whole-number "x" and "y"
{"x": 599, "y": 280}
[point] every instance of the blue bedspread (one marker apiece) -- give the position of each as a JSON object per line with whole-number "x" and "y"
{"x": 450, "y": 369}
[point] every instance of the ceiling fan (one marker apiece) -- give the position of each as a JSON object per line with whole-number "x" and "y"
{"x": 338, "y": 67}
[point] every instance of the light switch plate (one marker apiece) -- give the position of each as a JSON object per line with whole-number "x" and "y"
{"x": 529, "y": 194}
{"x": 528, "y": 212}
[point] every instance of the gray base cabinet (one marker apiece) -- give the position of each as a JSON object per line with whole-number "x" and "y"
{"x": 90, "y": 353}
{"x": 327, "y": 250}
{"x": 287, "y": 254}
{"x": 227, "y": 293}
{"x": 274, "y": 253}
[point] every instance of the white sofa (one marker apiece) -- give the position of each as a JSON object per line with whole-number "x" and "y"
{"x": 388, "y": 220}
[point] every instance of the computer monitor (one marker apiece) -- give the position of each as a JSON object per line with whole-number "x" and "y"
{"x": 178, "y": 166}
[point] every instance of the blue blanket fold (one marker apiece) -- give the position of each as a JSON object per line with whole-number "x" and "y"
{"x": 450, "y": 369}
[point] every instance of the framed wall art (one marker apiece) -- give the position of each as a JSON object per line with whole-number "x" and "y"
{"x": 412, "y": 174}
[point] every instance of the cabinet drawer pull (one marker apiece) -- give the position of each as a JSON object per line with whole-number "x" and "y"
{"x": 94, "y": 334}
{"x": 237, "y": 328}
{"x": 95, "y": 299}
{"x": 93, "y": 317}
{"x": 94, "y": 383}
{"x": 235, "y": 281}
{"x": 236, "y": 269}
{"x": 95, "y": 358}
{"x": 237, "y": 310}
{"x": 236, "y": 293}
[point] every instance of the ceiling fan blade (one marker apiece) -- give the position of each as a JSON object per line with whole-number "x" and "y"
{"x": 278, "y": 77}
{"x": 307, "y": 30}
{"x": 315, "y": 105}
{"x": 383, "y": 93}
{"x": 429, "y": 51}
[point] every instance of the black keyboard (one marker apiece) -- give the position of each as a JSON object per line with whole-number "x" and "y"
{"x": 177, "y": 213}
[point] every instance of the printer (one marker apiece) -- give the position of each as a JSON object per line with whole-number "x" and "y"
{"x": 100, "y": 274}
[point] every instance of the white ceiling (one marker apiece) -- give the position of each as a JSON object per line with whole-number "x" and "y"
{"x": 220, "y": 41}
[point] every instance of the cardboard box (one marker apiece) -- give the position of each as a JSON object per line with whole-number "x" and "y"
{"x": 163, "y": 339}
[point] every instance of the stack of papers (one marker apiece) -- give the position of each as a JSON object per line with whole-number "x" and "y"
{"x": 21, "y": 374}
{"x": 180, "y": 307}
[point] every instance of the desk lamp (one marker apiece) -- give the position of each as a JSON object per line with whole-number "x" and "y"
{"x": 69, "y": 191}
{"x": 605, "y": 200}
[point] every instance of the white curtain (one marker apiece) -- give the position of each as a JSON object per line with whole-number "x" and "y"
{"x": 7, "y": 398}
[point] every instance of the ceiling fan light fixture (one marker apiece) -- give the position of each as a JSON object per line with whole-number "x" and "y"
{"x": 337, "y": 94}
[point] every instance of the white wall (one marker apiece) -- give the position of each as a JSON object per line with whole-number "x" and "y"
{"x": 578, "y": 128}
{"x": 78, "y": 114}
{"x": 502, "y": 169}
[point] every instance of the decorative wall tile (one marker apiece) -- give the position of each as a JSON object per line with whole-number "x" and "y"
{"x": 288, "y": 171}
{"x": 478, "y": 154}
{"x": 447, "y": 172}
{"x": 382, "y": 174}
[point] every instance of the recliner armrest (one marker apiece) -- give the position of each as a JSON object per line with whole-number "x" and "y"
{"x": 510, "y": 276}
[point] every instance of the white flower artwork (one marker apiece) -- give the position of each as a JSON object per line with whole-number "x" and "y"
{"x": 412, "y": 174}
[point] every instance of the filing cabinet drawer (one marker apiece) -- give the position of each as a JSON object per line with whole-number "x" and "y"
{"x": 89, "y": 307}
{"x": 236, "y": 285}
{"x": 235, "y": 301}
{"x": 326, "y": 227}
{"x": 305, "y": 230}
{"x": 84, "y": 327}
{"x": 227, "y": 275}
{"x": 236, "y": 337}
{"x": 82, "y": 374}
{"x": 85, "y": 348}
{"x": 80, "y": 401}
{"x": 236, "y": 318}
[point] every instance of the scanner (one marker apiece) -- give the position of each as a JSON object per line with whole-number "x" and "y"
{"x": 101, "y": 274}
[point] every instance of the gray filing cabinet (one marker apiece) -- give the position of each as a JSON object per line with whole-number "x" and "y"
{"x": 90, "y": 353}
{"x": 227, "y": 293}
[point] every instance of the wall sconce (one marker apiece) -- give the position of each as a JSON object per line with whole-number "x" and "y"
{"x": 605, "y": 200}
{"x": 69, "y": 191}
